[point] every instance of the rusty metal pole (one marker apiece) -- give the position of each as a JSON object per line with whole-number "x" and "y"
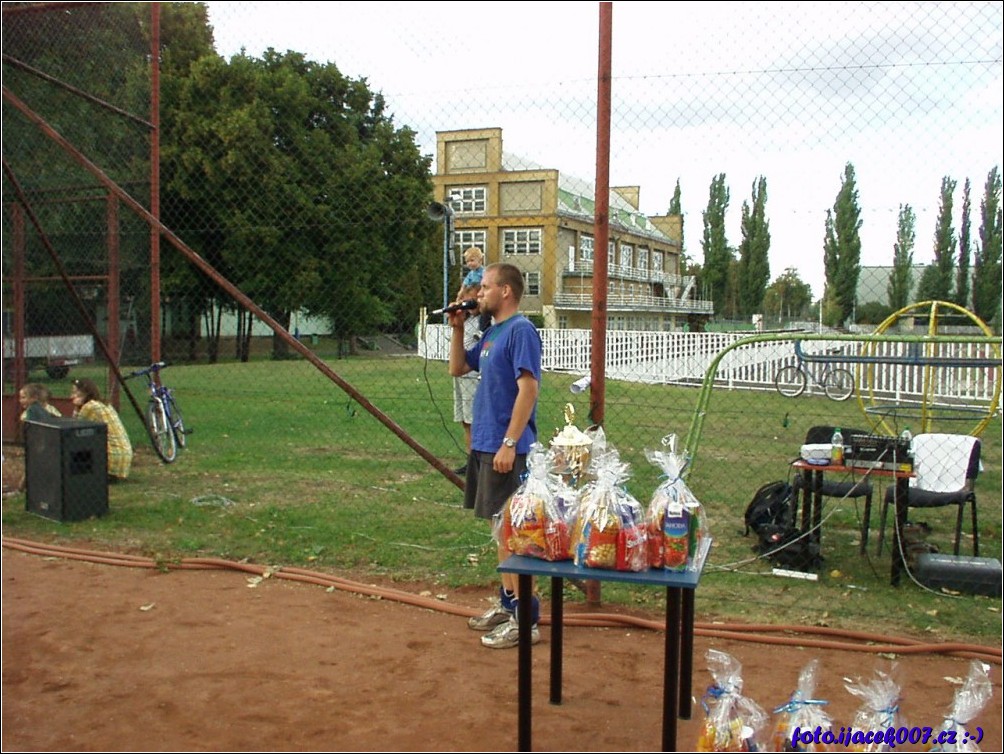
{"x": 601, "y": 232}
{"x": 112, "y": 329}
{"x": 155, "y": 181}
{"x": 19, "y": 244}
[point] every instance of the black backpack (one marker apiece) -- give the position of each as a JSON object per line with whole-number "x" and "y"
{"x": 769, "y": 516}
{"x": 770, "y": 506}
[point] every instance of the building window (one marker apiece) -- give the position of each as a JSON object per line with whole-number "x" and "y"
{"x": 657, "y": 261}
{"x": 469, "y": 200}
{"x": 642, "y": 258}
{"x": 586, "y": 248}
{"x": 521, "y": 241}
{"x": 627, "y": 256}
{"x": 465, "y": 239}
{"x": 531, "y": 283}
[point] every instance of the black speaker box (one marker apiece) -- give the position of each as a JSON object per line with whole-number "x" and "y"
{"x": 66, "y": 469}
{"x": 960, "y": 573}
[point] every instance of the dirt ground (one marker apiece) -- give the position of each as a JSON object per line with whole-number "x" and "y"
{"x": 103, "y": 657}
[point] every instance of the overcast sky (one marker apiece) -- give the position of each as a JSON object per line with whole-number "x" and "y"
{"x": 906, "y": 92}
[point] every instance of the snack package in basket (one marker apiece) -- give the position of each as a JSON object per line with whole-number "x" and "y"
{"x": 610, "y": 529}
{"x": 879, "y": 709}
{"x": 537, "y": 518}
{"x": 969, "y": 700}
{"x": 732, "y": 722}
{"x": 675, "y": 520}
{"x": 802, "y": 713}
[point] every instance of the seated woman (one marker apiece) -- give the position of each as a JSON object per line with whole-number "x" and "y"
{"x": 87, "y": 399}
{"x": 34, "y": 399}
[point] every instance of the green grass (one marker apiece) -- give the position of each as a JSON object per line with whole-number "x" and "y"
{"x": 284, "y": 469}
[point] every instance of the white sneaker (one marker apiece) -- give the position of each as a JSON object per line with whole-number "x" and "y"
{"x": 492, "y": 617}
{"x": 506, "y": 635}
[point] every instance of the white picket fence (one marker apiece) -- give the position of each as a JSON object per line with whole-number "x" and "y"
{"x": 684, "y": 358}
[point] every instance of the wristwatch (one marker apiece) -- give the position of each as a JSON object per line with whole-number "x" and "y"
{"x": 508, "y": 442}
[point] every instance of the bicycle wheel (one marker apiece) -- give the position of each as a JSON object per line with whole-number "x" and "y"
{"x": 177, "y": 422}
{"x": 161, "y": 433}
{"x": 790, "y": 381}
{"x": 839, "y": 384}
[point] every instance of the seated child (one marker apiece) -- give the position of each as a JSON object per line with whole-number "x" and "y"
{"x": 34, "y": 399}
{"x": 88, "y": 405}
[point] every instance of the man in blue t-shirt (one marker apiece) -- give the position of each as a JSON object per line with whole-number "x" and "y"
{"x": 504, "y": 427}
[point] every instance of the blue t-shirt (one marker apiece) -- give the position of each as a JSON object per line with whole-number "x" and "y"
{"x": 504, "y": 352}
{"x": 473, "y": 277}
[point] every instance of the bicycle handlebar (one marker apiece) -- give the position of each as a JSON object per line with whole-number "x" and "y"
{"x": 152, "y": 369}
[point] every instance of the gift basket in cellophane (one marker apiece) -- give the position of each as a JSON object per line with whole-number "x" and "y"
{"x": 969, "y": 701}
{"x": 610, "y": 529}
{"x": 879, "y": 708}
{"x": 675, "y": 522}
{"x": 802, "y": 712}
{"x": 732, "y": 722}
{"x": 537, "y": 518}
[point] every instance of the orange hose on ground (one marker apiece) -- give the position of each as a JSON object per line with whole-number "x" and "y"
{"x": 856, "y": 641}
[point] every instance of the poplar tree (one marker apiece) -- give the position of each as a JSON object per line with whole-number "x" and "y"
{"x": 717, "y": 254}
{"x": 754, "y": 264}
{"x": 936, "y": 282}
{"x": 987, "y": 263}
{"x": 901, "y": 279}
{"x": 962, "y": 278}
{"x": 842, "y": 251}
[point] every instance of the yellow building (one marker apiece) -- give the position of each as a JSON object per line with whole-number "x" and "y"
{"x": 542, "y": 222}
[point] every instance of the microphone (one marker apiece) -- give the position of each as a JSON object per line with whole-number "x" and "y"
{"x": 462, "y": 306}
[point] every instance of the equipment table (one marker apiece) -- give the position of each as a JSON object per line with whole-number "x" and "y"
{"x": 679, "y": 663}
{"x": 812, "y": 504}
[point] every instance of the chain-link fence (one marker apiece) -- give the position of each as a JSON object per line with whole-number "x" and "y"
{"x": 791, "y": 186}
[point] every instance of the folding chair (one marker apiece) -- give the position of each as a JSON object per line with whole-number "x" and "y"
{"x": 945, "y": 467}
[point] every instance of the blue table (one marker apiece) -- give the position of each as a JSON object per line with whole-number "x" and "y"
{"x": 679, "y": 661}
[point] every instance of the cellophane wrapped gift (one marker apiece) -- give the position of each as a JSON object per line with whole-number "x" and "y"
{"x": 675, "y": 521}
{"x": 732, "y": 722}
{"x": 970, "y": 699}
{"x": 537, "y": 519}
{"x": 802, "y": 712}
{"x": 610, "y": 530}
{"x": 879, "y": 708}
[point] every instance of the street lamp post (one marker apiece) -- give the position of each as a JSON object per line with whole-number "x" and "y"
{"x": 443, "y": 213}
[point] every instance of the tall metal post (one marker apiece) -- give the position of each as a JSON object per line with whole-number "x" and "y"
{"x": 443, "y": 213}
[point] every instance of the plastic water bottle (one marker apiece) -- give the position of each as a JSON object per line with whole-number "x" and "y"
{"x": 837, "y": 447}
{"x": 906, "y": 436}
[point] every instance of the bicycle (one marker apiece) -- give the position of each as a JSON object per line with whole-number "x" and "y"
{"x": 163, "y": 417}
{"x": 837, "y": 382}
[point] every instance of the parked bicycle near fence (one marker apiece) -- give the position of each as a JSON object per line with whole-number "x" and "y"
{"x": 163, "y": 417}
{"x": 837, "y": 382}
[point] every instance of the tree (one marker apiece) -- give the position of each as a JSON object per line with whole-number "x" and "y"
{"x": 676, "y": 208}
{"x": 103, "y": 50}
{"x": 309, "y": 197}
{"x": 754, "y": 265}
{"x": 842, "y": 251}
{"x": 936, "y": 282}
{"x": 901, "y": 279}
{"x": 987, "y": 264}
{"x": 717, "y": 255}
{"x": 962, "y": 279}
{"x": 788, "y": 296}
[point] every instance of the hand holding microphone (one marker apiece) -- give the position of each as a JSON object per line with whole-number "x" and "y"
{"x": 460, "y": 306}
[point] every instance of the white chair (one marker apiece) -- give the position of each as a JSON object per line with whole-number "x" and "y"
{"x": 945, "y": 468}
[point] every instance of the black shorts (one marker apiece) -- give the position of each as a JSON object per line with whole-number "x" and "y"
{"x": 487, "y": 490}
